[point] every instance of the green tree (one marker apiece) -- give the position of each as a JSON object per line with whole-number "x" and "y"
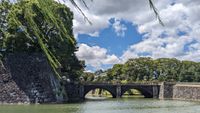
{"x": 88, "y": 77}
{"x": 167, "y": 69}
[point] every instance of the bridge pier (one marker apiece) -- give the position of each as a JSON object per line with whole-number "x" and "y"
{"x": 118, "y": 91}
{"x": 156, "y": 91}
{"x": 81, "y": 92}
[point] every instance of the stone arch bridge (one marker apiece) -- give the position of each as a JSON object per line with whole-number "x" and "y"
{"x": 77, "y": 92}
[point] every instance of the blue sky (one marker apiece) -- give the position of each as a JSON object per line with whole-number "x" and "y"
{"x": 123, "y": 30}
{"x": 114, "y": 43}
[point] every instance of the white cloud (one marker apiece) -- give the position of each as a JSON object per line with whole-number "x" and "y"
{"x": 95, "y": 56}
{"x": 119, "y": 28}
{"x": 161, "y": 47}
{"x": 100, "y": 11}
{"x": 180, "y": 17}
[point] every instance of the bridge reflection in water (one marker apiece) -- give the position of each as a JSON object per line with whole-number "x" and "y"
{"x": 104, "y": 94}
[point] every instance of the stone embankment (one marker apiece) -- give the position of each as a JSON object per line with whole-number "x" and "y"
{"x": 180, "y": 91}
{"x": 27, "y": 78}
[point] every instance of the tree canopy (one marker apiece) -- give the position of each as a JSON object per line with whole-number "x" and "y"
{"x": 148, "y": 69}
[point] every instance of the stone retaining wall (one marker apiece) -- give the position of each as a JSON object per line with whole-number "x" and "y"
{"x": 166, "y": 90}
{"x": 27, "y": 78}
{"x": 186, "y": 92}
{"x": 180, "y": 91}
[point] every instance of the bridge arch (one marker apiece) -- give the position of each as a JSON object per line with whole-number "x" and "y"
{"x": 145, "y": 91}
{"x": 132, "y": 92}
{"x": 89, "y": 88}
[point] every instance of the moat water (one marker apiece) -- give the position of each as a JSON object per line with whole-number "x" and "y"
{"x": 109, "y": 105}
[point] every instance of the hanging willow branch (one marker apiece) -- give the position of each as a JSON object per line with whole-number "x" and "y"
{"x": 156, "y": 12}
{"x": 76, "y": 6}
{"x": 86, "y": 18}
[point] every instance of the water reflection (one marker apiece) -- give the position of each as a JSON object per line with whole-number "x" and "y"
{"x": 109, "y": 105}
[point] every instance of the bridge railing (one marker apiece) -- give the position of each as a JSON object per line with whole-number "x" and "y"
{"x": 187, "y": 83}
{"x": 119, "y": 83}
{"x": 141, "y": 82}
